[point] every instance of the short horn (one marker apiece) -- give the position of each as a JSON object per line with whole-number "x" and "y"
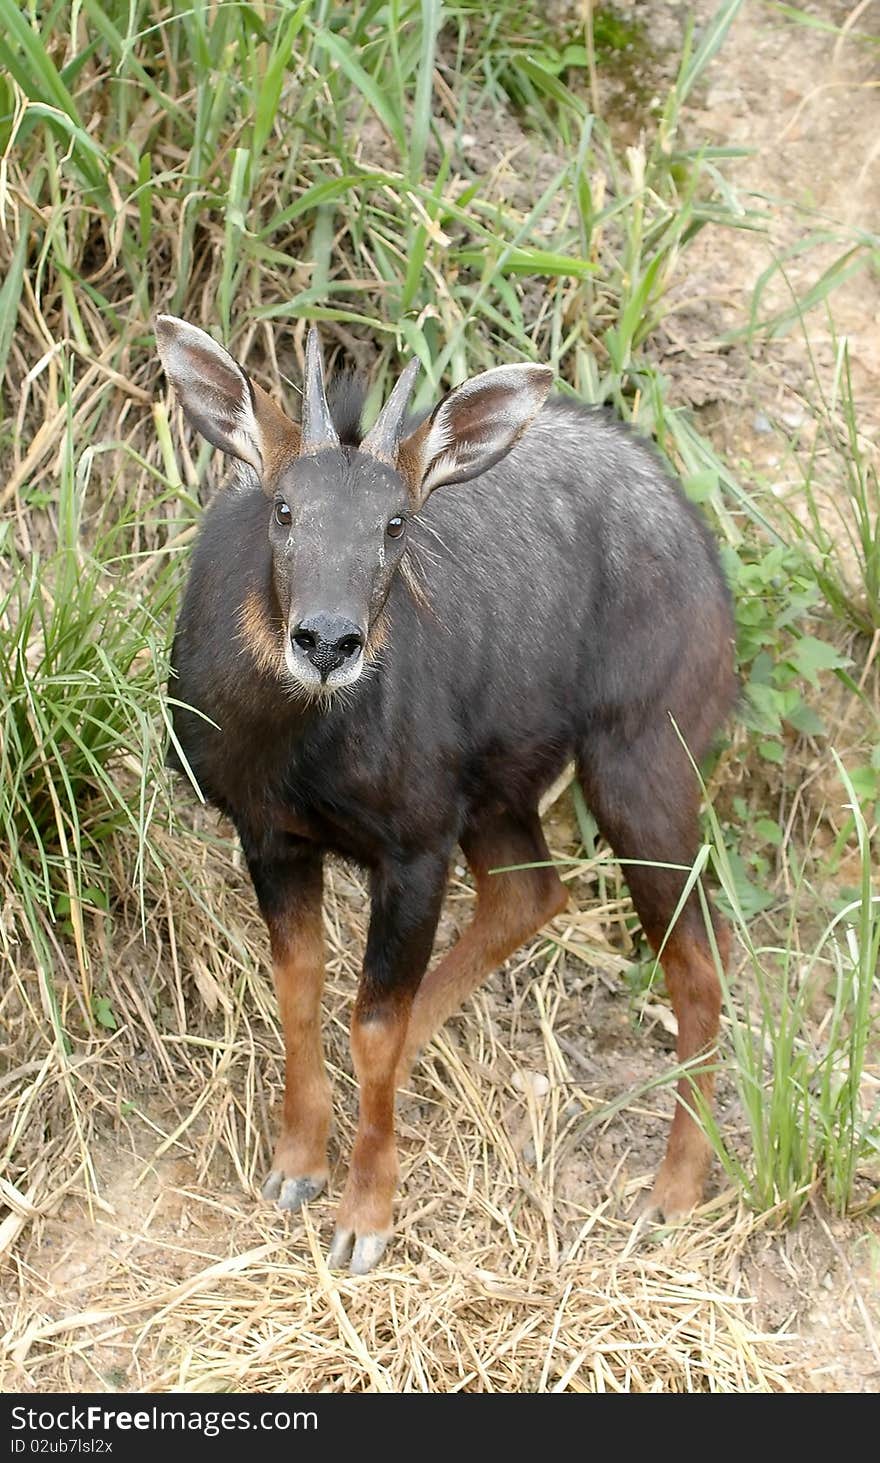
{"x": 383, "y": 438}
{"x": 318, "y": 430}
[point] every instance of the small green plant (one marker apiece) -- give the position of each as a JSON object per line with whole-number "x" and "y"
{"x": 775, "y": 594}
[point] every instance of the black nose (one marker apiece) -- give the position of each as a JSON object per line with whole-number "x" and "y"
{"x": 328, "y": 641}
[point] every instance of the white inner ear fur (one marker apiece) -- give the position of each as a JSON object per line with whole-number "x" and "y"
{"x": 212, "y": 388}
{"x": 448, "y": 449}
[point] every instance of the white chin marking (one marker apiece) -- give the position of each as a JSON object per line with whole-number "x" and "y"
{"x": 308, "y": 679}
{"x": 346, "y": 675}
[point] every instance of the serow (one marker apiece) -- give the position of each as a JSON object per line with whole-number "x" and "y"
{"x": 391, "y": 643}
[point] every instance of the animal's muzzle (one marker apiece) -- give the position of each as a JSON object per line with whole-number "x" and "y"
{"x": 327, "y": 641}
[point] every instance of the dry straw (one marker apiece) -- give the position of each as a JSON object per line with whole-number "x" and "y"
{"x": 137, "y": 1255}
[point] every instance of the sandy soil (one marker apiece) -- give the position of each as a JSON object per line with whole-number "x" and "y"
{"x": 808, "y": 108}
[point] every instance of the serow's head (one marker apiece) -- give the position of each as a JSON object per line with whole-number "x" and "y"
{"x": 337, "y": 516}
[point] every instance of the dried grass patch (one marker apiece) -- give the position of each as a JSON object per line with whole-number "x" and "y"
{"x": 137, "y": 1255}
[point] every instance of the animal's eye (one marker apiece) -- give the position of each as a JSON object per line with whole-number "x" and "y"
{"x": 282, "y": 514}
{"x": 395, "y": 526}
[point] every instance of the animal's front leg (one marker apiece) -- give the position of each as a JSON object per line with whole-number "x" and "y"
{"x": 406, "y": 900}
{"x": 289, "y": 889}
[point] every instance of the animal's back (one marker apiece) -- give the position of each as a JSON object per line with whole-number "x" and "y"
{"x": 575, "y": 577}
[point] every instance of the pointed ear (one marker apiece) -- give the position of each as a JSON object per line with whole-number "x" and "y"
{"x": 473, "y": 427}
{"x": 220, "y": 400}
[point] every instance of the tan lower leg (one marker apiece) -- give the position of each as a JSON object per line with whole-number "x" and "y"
{"x": 695, "y": 991}
{"x": 376, "y": 1043}
{"x": 511, "y": 907}
{"x": 298, "y": 967}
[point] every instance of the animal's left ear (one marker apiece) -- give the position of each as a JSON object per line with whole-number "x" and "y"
{"x": 473, "y": 427}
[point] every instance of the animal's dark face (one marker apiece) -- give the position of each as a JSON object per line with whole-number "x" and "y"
{"x": 339, "y": 516}
{"x": 337, "y": 529}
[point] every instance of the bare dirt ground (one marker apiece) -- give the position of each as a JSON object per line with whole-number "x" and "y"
{"x": 807, "y": 105}
{"x": 515, "y": 1234}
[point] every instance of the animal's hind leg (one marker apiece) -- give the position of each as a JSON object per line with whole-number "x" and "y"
{"x": 645, "y": 798}
{"x": 511, "y": 907}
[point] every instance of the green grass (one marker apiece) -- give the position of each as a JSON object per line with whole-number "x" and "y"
{"x": 82, "y": 702}
{"x": 836, "y": 521}
{"x": 429, "y": 180}
{"x": 810, "y": 1103}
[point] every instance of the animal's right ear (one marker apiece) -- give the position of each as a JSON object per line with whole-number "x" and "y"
{"x": 220, "y": 401}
